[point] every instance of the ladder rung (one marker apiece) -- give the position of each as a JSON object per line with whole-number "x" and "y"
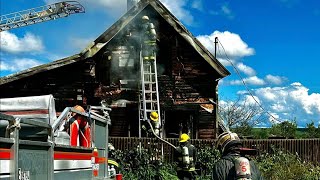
{"x": 150, "y": 101}
{"x": 148, "y": 91}
{"x": 149, "y": 73}
{"x": 151, "y": 110}
{"x": 149, "y": 82}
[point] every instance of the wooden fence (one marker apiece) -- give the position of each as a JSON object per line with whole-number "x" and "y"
{"x": 307, "y": 149}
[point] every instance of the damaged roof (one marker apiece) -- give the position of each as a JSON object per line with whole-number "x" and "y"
{"x": 111, "y": 32}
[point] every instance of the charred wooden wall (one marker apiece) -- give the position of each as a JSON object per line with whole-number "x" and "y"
{"x": 185, "y": 79}
{"x": 68, "y": 84}
{"x": 187, "y": 82}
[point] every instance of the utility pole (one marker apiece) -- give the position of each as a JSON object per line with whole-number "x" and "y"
{"x": 215, "y": 46}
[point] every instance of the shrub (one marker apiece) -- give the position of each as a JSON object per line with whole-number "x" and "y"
{"x": 277, "y": 165}
{"x": 280, "y": 165}
{"x": 136, "y": 166}
{"x": 207, "y": 157}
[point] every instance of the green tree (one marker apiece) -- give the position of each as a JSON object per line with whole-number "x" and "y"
{"x": 262, "y": 133}
{"x": 285, "y": 129}
{"x": 243, "y": 129}
{"x": 311, "y": 131}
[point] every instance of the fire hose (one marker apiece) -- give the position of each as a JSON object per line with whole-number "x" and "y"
{"x": 152, "y": 130}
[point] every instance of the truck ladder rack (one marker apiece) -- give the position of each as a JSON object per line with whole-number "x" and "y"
{"x": 39, "y": 14}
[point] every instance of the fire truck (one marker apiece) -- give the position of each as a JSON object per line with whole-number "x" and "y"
{"x": 34, "y": 142}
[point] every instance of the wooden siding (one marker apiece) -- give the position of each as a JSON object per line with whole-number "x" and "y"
{"x": 206, "y": 125}
{"x": 185, "y": 79}
{"x": 68, "y": 84}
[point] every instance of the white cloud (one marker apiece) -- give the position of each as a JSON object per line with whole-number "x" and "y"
{"x": 234, "y": 46}
{"x": 18, "y": 64}
{"x": 177, "y": 7}
{"x": 277, "y": 80}
{"x": 227, "y": 11}
{"x": 222, "y": 10}
{"x": 115, "y": 4}
{"x": 290, "y": 102}
{"x": 253, "y": 80}
{"x": 274, "y": 118}
{"x": 118, "y": 7}
{"x": 197, "y": 4}
{"x": 251, "y": 99}
{"x": 235, "y": 51}
{"x": 310, "y": 103}
{"x": 80, "y": 43}
{"x": 246, "y": 69}
{"x": 13, "y": 44}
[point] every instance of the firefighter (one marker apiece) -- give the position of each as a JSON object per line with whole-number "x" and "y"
{"x": 148, "y": 39}
{"x": 185, "y": 156}
{"x": 79, "y": 130}
{"x": 113, "y": 165}
{"x": 154, "y": 120}
{"x": 233, "y": 164}
{"x": 154, "y": 116}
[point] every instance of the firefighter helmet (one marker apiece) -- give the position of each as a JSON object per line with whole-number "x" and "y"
{"x": 184, "y": 138}
{"x": 79, "y": 108}
{"x": 154, "y": 116}
{"x": 226, "y": 140}
{"x": 111, "y": 147}
{"x": 145, "y": 18}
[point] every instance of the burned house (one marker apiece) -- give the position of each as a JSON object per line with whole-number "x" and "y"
{"x": 109, "y": 69}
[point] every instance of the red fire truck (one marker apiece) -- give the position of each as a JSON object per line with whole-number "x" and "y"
{"x": 35, "y": 143}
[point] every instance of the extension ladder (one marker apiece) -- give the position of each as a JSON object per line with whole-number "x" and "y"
{"x": 149, "y": 97}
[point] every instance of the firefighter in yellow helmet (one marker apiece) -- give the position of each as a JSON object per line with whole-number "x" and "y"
{"x": 185, "y": 156}
{"x": 154, "y": 117}
{"x": 233, "y": 163}
{"x": 154, "y": 120}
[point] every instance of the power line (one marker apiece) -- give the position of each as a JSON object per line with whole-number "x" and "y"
{"x": 249, "y": 91}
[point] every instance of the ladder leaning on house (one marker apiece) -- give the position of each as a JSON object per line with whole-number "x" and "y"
{"x": 149, "y": 94}
{"x": 149, "y": 99}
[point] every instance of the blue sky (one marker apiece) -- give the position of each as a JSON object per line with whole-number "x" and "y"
{"x": 274, "y": 45}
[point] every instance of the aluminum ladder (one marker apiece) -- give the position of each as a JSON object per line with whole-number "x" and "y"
{"x": 39, "y": 14}
{"x": 149, "y": 101}
{"x": 149, "y": 97}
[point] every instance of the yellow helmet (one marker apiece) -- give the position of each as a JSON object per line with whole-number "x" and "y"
{"x": 154, "y": 116}
{"x": 184, "y": 138}
{"x": 227, "y": 139}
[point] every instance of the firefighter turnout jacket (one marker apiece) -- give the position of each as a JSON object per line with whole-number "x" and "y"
{"x": 185, "y": 155}
{"x": 149, "y": 39}
{"x": 225, "y": 169}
